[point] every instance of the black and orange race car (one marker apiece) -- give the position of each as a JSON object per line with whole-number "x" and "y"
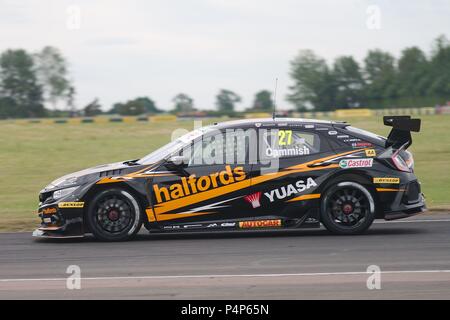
{"x": 241, "y": 175}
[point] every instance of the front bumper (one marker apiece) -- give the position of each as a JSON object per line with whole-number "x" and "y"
{"x": 61, "y": 220}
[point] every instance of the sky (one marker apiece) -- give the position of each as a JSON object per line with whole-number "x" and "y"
{"x": 119, "y": 50}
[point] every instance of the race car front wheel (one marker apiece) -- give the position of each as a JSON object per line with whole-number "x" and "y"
{"x": 114, "y": 215}
{"x": 347, "y": 208}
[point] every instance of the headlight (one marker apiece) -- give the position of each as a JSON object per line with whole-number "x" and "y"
{"x": 58, "y": 194}
{"x": 69, "y": 182}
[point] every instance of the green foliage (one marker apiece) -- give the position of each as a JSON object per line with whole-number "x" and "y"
{"x": 138, "y": 106}
{"x": 226, "y": 100}
{"x": 349, "y": 82}
{"x": 412, "y": 81}
{"x": 313, "y": 82}
{"x": 380, "y": 75}
{"x": 263, "y": 101}
{"x": 93, "y": 109}
{"x": 20, "y": 92}
{"x": 51, "y": 71}
{"x": 183, "y": 103}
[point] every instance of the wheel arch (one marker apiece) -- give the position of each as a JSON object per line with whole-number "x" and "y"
{"x": 357, "y": 176}
{"x": 97, "y": 188}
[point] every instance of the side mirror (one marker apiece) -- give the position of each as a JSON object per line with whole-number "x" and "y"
{"x": 178, "y": 160}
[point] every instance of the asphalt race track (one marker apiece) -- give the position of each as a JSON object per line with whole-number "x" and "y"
{"x": 413, "y": 255}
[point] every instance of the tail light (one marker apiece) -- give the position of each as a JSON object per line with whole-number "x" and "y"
{"x": 403, "y": 163}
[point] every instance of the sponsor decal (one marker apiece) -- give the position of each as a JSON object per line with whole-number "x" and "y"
{"x": 47, "y": 220}
{"x": 228, "y": 224}
{"x": 221, "y": 225}
{"x": 309, "y": 126}
{"x": 49, "y": 210}
{"x": 254, "y": 199}
{"x": 322, "y": 128}
{"x": 355, "y": 163}
{"x": 260, "y": 224}
{"x": 343, "y": 136}
{"x": 387, "y": 180}
{"x": 293, "y": 151}
{"x": 171, "y": 227}
{"x": 361, "y": 144}
{"x": 371, "y": 153}
{"x": 290, "y": 189}
{"x": 193, "y": 185}
{"x": 71, "y": 205}
{"x": 258, "y": 124}
{"x": 352, "y": 140}
{"x": 332, "y": 133}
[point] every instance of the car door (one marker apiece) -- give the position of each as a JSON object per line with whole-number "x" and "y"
{"x": 206, "y": 186}
{"x": 283, "y": 175}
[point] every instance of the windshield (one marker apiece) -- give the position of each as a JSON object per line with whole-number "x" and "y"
{"x": 172, "y": 147}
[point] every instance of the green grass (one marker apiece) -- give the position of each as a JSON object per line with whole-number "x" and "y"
{"x": 32, "y": 155}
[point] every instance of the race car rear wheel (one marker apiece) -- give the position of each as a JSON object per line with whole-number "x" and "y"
{"x": 347, "y": 208}
{"x": 114, "y": 215}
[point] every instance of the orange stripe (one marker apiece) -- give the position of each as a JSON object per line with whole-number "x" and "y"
{"x": 209, "y": 194}
{"x": 108, "y": 180}
{"x": 150, "y": 215}
{"x": 388, "y": 189}
{"x": 305, "y": 197}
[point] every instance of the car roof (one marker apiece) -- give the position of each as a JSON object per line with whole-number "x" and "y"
{"x": 276, "y": 121}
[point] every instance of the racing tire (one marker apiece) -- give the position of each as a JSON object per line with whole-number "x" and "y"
{"x": 347, "y": 208}
{"x": 114, "y": 215}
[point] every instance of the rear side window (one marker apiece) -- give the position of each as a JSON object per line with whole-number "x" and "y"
{"x": 368, "y": 134}
{"x": 358, "y": 138}
{"x": 285, "y": 143}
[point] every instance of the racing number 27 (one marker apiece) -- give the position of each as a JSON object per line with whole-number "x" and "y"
{"x": 284, "y": 137}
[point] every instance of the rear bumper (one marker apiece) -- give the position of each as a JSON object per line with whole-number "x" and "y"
{"x": 401, "y": 202}
{"x": 407, "y": 211}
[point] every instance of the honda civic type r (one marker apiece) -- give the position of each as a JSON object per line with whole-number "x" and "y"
{"x": 279, "y": 173}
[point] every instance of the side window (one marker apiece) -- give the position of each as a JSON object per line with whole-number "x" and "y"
{"x": 285, "y": 143}
{"x": 219, "y": 148}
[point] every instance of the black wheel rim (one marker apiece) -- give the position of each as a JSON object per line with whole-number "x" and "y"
{"x": 348, "y": 207}
{"x": 114, "y": 214}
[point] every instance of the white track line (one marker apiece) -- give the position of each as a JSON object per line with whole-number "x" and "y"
{"x": 232, "y": 275}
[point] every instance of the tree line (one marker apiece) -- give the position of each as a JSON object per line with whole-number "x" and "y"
{"x": 414, "y": 80}
{"x": 30, "y": 81}
{"x": 27, "y": 80}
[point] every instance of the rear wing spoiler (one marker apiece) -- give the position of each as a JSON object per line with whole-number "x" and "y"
{"x": 400, "y": 134}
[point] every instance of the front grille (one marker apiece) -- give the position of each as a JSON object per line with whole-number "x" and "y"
{"x": 412, "y": 193}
